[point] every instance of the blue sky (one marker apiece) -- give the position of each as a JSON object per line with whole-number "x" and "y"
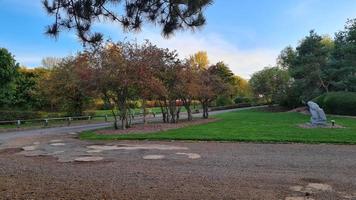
{"x": 248, "y": 35}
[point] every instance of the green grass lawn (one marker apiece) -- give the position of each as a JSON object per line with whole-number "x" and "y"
{"x": 250, "y": 126}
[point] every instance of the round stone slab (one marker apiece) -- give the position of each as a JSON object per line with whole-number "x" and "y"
{"x": 57, "y": 144}
{"x": 94, "y": 151}
{"x": 88, "y": 159}
{"x": 153, "y": 157}
{"x": 319, "y": 186}
{"x": 55, "y": 141}
{"x": 29, "y": 148}
{"x": 190, "y": 155}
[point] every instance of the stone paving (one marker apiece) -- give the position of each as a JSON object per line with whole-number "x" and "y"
{"x": 69, "y": 149}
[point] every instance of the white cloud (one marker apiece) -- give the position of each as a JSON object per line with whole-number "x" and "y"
{"x": 242, "y": 62}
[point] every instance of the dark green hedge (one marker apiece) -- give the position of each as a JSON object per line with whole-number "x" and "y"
{"x": 15, "y": 115}
{"x": 340, "y": 103}
{"x": 240, "y": 105}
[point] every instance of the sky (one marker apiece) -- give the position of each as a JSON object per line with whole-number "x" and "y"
{"x": 247, "y": 35}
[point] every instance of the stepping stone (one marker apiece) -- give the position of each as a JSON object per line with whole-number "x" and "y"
{"x": 297, "y": 198}
{"x": 103, "y": 147}
{"x": 190, "y": 155}
{"x": 296, "y": 188}
{"x": 72, "y": 133}
{"x": 319, "y": 186}
{"x": 36, "y": 143}
{"x": 136, "y": 147}
{"x": 29, "y": 148}
{"x": 153, "y": 157}
{"x": 88, "y": 159}
{"x": 57, "y": 152}
{"x": 58, "y": 144}
{"x": 55, "y": 141}
{"x": 95, "y": 151}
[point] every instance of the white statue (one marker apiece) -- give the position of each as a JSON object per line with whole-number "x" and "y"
{"x": 318, "y": 114}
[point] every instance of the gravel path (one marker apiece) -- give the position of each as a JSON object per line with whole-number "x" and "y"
{"x": 176, "y": 170}
{"x": 54, "y": 164}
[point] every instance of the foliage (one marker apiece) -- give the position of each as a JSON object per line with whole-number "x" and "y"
{"x": 223, "y": 101}
{"x": 69, "y": 84}
{"x": 341, "y": 103}
{"x": 11, "y": 115}
{"x": 81, "y": 15}
{"x": 321, "y": 64}
{"x": 50, "y": 62}
{"x": 344, "y": 60}
{"x": 250, "y": 126}
{"x": 310, "y": 68}
{"x": 241, "y": 87}
{"x": 211, "y": 87}
{"x": 270, "y": 84}
{"x": 199, "y": 60}
{"x": 8, "y": 73}
{"x": 242, "y": 99}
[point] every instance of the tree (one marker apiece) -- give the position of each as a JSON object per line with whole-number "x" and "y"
{"x": 286, "y": 58}
{"x": 70, "y": 83}
{"x": 115, "y": 79}
{"x": 80, "y": 15}
{"x": 221, "y": 70}
{"x": 344, "y": 60}
{"x": 25, "y": 88}
{"x": 50, "y": 62}
{"x": 241, "y": 86}
{"x": 309, "y": 65}
{"x": 211, "y": 86}
{"x": 199, "y": 60}
{"x": 8, "y": 73}
{"x": 271, "y": 84}
{"x": 188, "y": 86}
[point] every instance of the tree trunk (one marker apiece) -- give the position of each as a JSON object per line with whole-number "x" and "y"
{"x": 189, "y": 110}
{"x": 115, "y": 119}
{"x": 144, "y": 111}
{"x": 177, "y": 115}
{"x": 172, "y": 110}
{"x": 205, "y": 110}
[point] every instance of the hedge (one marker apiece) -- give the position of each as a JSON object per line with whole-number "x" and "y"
{"x": 340, "y": 103}
{"x": 16, "y": 115}
{"x": 240, "y": 105}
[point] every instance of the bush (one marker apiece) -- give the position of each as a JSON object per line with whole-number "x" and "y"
{"x": 238, "y": 100}
{"x": 19, "y": 115}
{"x": 223, "y": 101}
{"x": 340, "y": 103}
{"x": 240, "y": 105}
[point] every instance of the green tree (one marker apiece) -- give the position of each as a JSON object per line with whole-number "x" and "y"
{"x": 81, "y": 15}
{"x": 25, "y": 88}
{"x": 241, "y": 87}
{"x": 8, "y": 74}
{"x": 270, "y": 84}
{"x": 309, "y": 65}
{"x": 344, "y": 59}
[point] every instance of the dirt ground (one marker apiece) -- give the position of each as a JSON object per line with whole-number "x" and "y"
{"x": 174, "y": 170}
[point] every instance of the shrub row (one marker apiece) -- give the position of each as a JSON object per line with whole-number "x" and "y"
{"x": 240, "y": 105}
{"x": 340, "y": 103}
{"x": 16, "y": 115}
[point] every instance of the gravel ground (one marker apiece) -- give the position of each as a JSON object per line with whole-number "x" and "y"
{"x": 174, "y": 170}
